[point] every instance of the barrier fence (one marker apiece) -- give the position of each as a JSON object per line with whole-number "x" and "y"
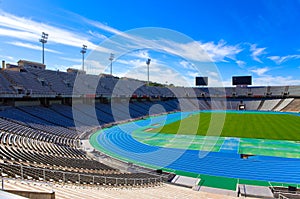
{"x": 60, "y": 176}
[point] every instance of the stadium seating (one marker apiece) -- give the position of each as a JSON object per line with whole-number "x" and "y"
{"x": 283, "y": 104}
{"x": 269, "y": 104}
{"x": 29, "y": 82}
{"x": 293, "y": 106}
{"x": 35, "y": 137}
{"x": 5, "y": 86}
{"x": 54, "y": 80}
{"x": 42, "y": 142}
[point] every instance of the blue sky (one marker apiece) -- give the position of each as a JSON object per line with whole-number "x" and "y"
{"x": 250, "y": 37}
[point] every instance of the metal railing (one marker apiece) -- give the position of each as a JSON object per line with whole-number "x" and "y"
{"x": 60, "y": 176}
{"x": 280, "y": 196}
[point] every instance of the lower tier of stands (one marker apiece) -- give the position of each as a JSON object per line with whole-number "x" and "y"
{"x": 48, "y": 137}
{"x": 61, "y": 175}
{"x": 65, "y": 191}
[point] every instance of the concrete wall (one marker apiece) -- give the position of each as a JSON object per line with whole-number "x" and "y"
{"x": 27, "y": 103}
{"x": 33, "y": 195}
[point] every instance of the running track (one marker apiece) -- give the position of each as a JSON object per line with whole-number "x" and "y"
{"x": 117, "y": 141}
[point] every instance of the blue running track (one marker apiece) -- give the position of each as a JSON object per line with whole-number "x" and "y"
{"x": 118, "y": 142}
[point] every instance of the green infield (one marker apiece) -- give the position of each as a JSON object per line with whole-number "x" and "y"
{"x": 204, "y": 143}
{"x": 237, "y": 124}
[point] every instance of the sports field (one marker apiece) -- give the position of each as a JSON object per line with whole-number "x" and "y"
{"x": 259, "y": 125}
{"x": 155, "y": 142}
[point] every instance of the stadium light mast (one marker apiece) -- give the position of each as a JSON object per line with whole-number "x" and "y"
{"x": 148, "y": 63}
{"x": 83, "y": 51}
{"x": 111, "y": 58}
{"x": 43, "y": 40}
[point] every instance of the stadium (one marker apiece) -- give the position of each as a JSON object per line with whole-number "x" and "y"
{"x": 64, "y": 136}
{"x": 149, "y": 99}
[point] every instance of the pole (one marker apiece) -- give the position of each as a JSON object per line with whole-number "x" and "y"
{"x": 111, "y": 58}
{"x": 148, "y": 74}
{"x": 110, "y": 67}
{"x": 148, "y": 63}
{"x": 43, "y": 40}
{"x": 43, "y": 52}
{"x": 83, "y": 51}
{"x": 82, "y": 61}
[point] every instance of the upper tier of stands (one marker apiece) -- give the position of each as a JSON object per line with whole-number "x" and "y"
{"x": 36, "y": 82}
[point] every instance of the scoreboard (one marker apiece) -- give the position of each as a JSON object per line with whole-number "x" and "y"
{"x": 242, "y": 80}
{"x": 201, "y": 81}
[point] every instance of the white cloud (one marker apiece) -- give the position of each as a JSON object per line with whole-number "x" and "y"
{"x": 5, "y": 57}
{"x": 212, "y": 74}
{"x": 141, "y": 54}
{"x": 215, "y": 82}
{"x": 219, "y": 51}
{"x": 215, "y": 79}
{"x": 32, "y": 46}
{"x": 240, "y": 63}
{"x": 203, "y": 52}
{"x": 102, "y": 26}
{"x": 227, "y": 82}
{"x": 96, "y": 34}
{"x": 194, "y": 50}
{"x": 275, "y": 81}
{"x": 192, "y": 74}
{"x": 159, "y": 72}
{"x": 132, "y": 63}
{"x": 64, "y": 67}
{"x": 27, "y": 36}
{"x": 281, "y": 59}
{"x": 71, "y": 59}
{"x": 29, "y": 30}
{"x": 163, "y": 72}
{"x": 134, "y": 40}
{"x": 186, "y": 65}
{"x": 94, "y": 66}
{"x": 256, "y": 52}
{"x": 260, "y": 71}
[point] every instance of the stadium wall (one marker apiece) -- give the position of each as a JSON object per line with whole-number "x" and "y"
{"x": 33, "y": 195}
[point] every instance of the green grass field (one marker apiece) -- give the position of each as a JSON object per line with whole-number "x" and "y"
{"x": 240, "y": 124}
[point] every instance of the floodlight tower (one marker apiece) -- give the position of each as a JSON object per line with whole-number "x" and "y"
{"x": 111, "y": 58}
{"x": 43, "y": 40}
{"x": 83, "y": 51}
{"x": 148, "y": 63}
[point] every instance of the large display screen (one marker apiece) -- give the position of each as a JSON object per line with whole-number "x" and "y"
{"x": 201, "y": 81}
{"x": 242, "y": 80}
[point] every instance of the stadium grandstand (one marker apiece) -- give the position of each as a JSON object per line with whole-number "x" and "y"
{"x": 47, "y": 118}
